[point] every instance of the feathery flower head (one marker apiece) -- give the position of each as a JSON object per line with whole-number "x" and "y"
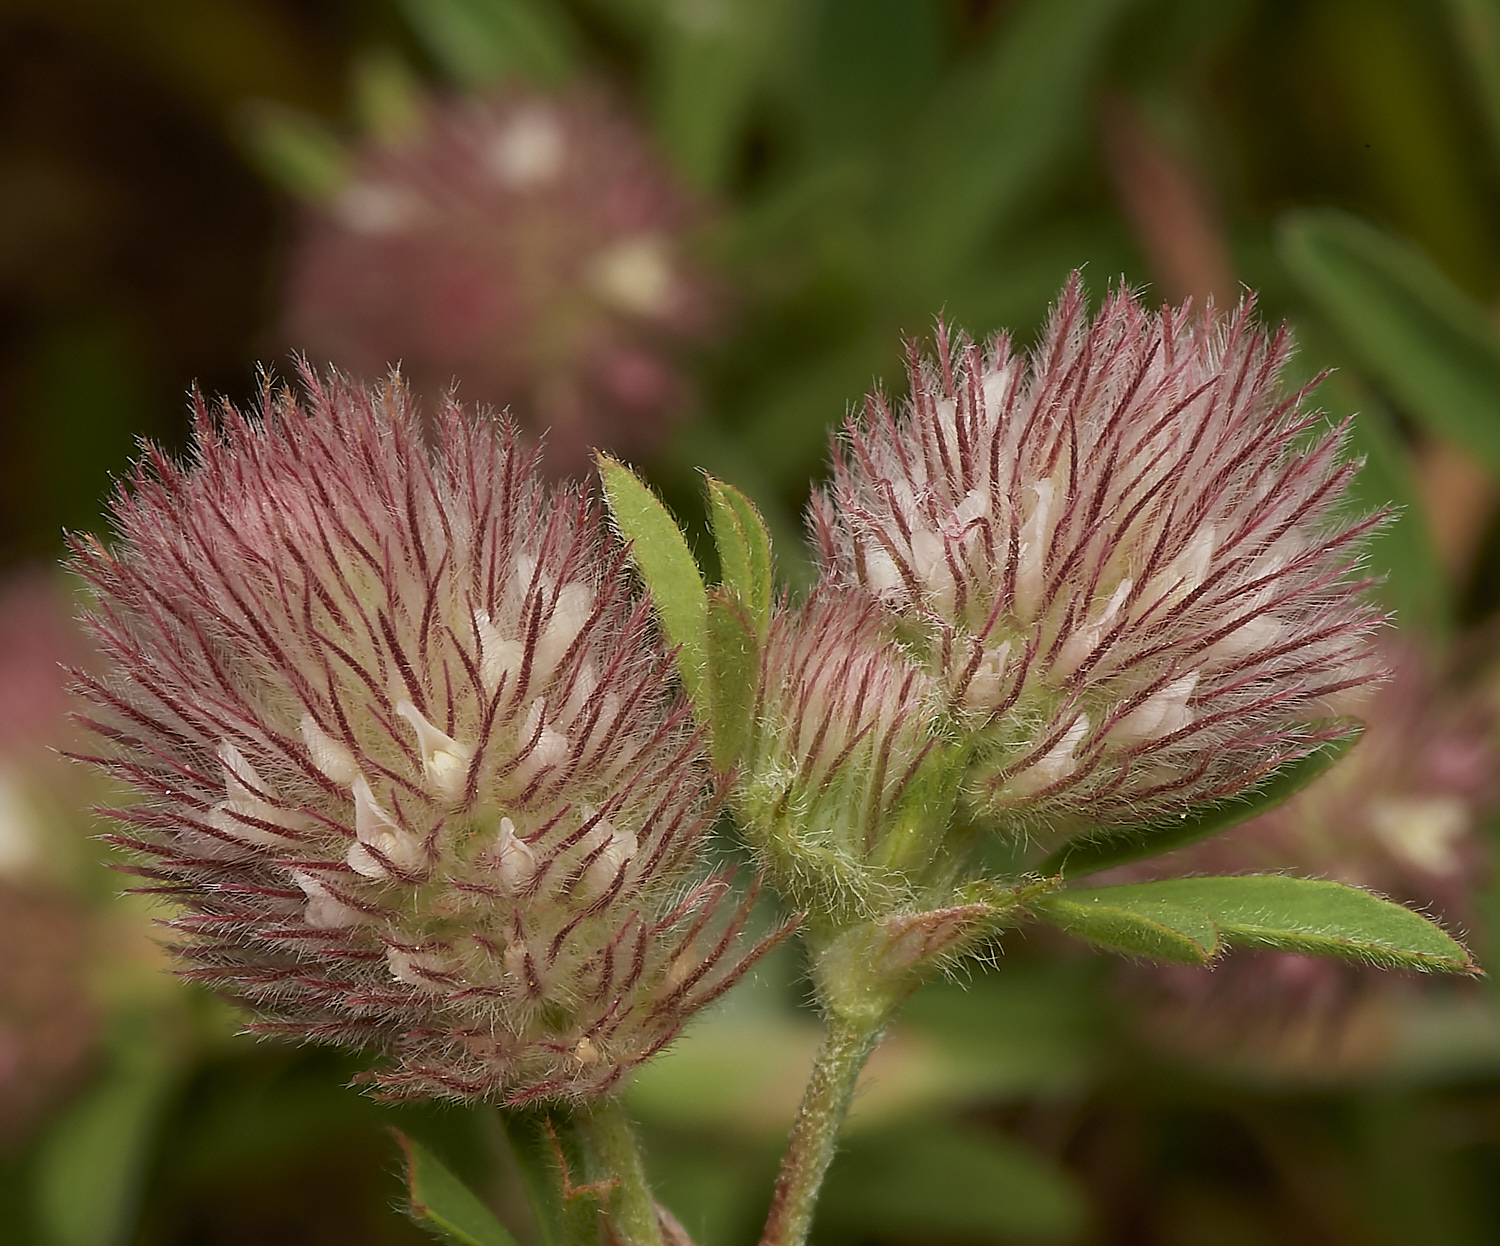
{"x": 407, "y": 760}
{"x": 528, "y": 243}
{"x": 1123, "y": 557}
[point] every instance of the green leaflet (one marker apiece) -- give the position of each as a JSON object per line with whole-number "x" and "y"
{"x": 744, "y": 551}
{"x": 1106, "y": 849}
{"x": 667, "y": 565}
{"x": 1412, "y": 330}
{"x": 442, "y": 1203}
{"x": 704, "y": 75}
{"x": 718, "y": 634}
{"x": 1190, "y": 918}
{"x": 733, "y": 673}
{"x": 1132, "y": 925}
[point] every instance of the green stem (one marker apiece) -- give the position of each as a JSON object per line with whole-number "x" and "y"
{"x": 632, "y": 1211}
{"x": 846, "y": 1046}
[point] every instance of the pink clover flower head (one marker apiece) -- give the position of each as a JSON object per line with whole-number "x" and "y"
{"x": 533, "y": 245}
{"x": 407, "y": 760}
{"x": 1124, "y": 556}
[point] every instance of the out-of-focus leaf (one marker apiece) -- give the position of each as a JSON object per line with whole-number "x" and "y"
{"x": 868, "y": 65}
{"x": 667, "y": 565}
{"x": 989, "y": 138}
{"x": 1088, "y": 854}
{"x": 1401, "y": 551}
{"x": 442, "y": 1203}
{"x": 481, "y": 42}
{"x": 1315, "y": 917}
{"x": 708, "y": 58}
{"x": 295, "y": 149}
{"x": 1477, "y": 28}
{"x": 1412, "y": 330}
{"x": 926, "y": 1181}
{"x": 91, "y": 1165}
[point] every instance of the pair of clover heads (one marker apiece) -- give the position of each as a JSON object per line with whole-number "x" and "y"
{"x": 1099, "y": 605}
{"x": 426, "y": 773}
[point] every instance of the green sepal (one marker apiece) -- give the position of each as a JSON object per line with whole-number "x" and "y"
{"x": 744, "y": 545}
{"x": 1103, "y": 850}
{"x": 1315, "y": 917}
{"x": 733, "y": 674}
{"x": 667, "y": 566}
{"x": 1428, "y": 343}
{"x": 441, "y": 1203}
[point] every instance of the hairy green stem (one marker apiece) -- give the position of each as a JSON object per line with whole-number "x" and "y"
{"x": 632, "y": 1211}
{"x": 847, "y": 1044}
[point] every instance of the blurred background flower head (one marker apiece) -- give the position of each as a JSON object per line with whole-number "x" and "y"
{"x": 532, "y": 248}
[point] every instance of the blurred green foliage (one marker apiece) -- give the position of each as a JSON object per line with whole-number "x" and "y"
{"x": 875, "y": 164}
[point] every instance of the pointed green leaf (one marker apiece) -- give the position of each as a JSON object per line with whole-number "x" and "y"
{"x": 666, "y": 564}
{"x": 744, "y": 551}
{"x": 1416, "y": 333}
{"x": 481, "y": 42}
{"x": 1103, "y": 850}
{"x": 1131, "y": 925}
{"x": 442, "y": 1203}
{"x": 733, "y": 673}
{"x": 1316, "y": 917}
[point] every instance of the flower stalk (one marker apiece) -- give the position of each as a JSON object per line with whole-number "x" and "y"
{"x": 847, "y": 1045}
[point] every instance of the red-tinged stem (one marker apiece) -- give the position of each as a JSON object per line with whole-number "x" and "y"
{"x": 846, "y": 1046}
